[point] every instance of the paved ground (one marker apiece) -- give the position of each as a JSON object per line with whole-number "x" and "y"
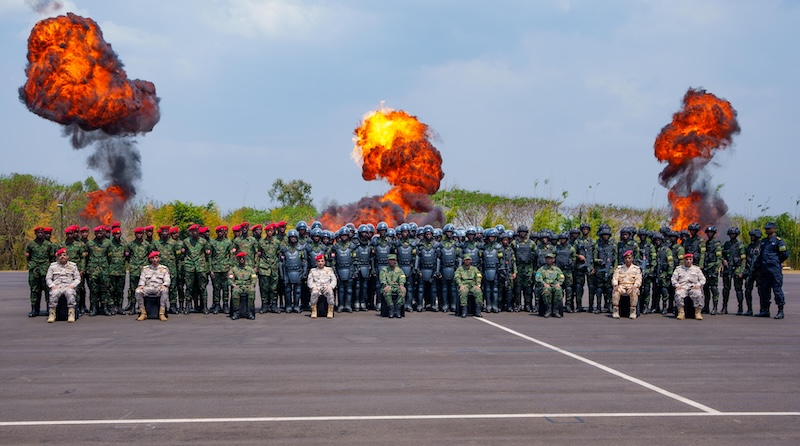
{"x": 426, "y": 379}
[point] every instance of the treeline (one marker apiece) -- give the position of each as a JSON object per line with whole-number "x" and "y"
{"x": 27, "y": 201}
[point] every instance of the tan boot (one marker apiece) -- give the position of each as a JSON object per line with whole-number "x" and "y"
{"x": 633, "y": 313}
{"x": 615, "y": 314}
{"x": 681, "y": 314}
{"x": 330, "y": 311}
{"x": 71, "y": 315}
{"x": 314, "y": 311}
{"x": 697, "y": 314}
{"x": 162, "y": 316}
{"x": 142, "y": 314}
{"x": 52, "y": 316}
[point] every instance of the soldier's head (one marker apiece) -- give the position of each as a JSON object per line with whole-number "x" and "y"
{"x": 293, "y": 236}
{"x": 733, "y": 233}
{"x": 327, "y": 237}
{"x": 627, "y": 257}
{"x": 39, "y": 233}
{"x": 427, "y": 232}
{"x": 562, "y": 238}
{"x": 269, "y": 230}
{"x": 62, "y": 256}
{"x": 491, "y": 235}
{"x": 302, "y": 228}
{"x": 755, "y": 235}
{"x": 505, "y": 239}
{"x": 257, "y": 231}
{"x": 685, "y": 235}
{"x": 711, "y": 232}
{"x": 688, "y": 258}
{"x": 467, "y": 260}
{"x": 769, "y": 228}
{"x": 48, "y": 232}
{"x": 116, "y": 233}
{"x": 693, "y": 228}
{"x": 99, "y": 233}
{"x": 163, "y": 232}
{"x": 643, "y": 234}
{"x": 138, "y": 234}
{"x": 585, "y": 228}
{"x": 85, "y": 233}
{"x": 194, "y": 231}
{"x": 222, "y": 231}
{"x": 281, "y": 227}
{"x": 392, "y": 259}
{"x": 320, "y": 259}
{"x": 574, "y": 233}
{"x": 241, "y": 258}
{"x": 550, "y": 258}
{"x": 154, "y": 258}
{"x": 344, "y": 234}
{"x": 174, "y": 232}
{"x": 316, "y": 235}
{"x": 148, "y": 232}
{"x": 658, "y": 239}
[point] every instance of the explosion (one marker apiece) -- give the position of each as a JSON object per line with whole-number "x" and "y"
{"x": 394, "y": 146}
{"x": 76, "y": 80}
{"x": 705, "y": 125}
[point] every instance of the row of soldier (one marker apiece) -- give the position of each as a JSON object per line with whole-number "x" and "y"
{"x": 512, "y": 266}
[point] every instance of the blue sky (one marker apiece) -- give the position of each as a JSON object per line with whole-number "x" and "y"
{"x": 528, "y": 97}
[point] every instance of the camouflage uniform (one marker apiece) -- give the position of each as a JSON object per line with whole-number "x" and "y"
{"x": 508, "y": 273}
{"x": 664, "y": 266}
{"x": 565, "y": 260}
{"x": 605, "y": 261}
{"x": 76, "y": 252}
{"x": 688, "y": 282}
{"x": 468, "y": 280}
{"x": 242, "y": 280}
{"x": 117, "y": 269}
{"x": 734, "y": 260}
{"x": 269, "y": 252}
{"x": 753, "y": 275}
{"x": 39, "y": 255}
{"x": 711, "y": 255}
{"x": 550, "y": 280}
{"x": 166, "y": 251}
{"x": 525, "y": 255}
{"x": 647, "y": 263}
{"x": 220, "y": 264}
{"x": 393, "y": 282}
{"x": 138, "y": 250}
{"x": 197, "y": 250}
{"x": 62, "y": 280}
{"x": 585, "y": 246}
{"x": 97, "y": 273}
{"x": 626, "y": 281}
{"x": 151, "y": 281}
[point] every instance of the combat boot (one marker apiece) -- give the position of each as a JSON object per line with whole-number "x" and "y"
{"x": 633, "y": 313}
{"x": 780, "y": 312}
{"x": 264, "y": 308}
{"x": 235, "y": 315}
{"x": 330, "y": 311}
{"x": 173, "y": 309}
{"x": 51, "y": 316}
{"x": 162, "y": 314}
{"x": 698, "y": 314}
{"x": 225, "y": 309}
{"x": 71, "y": 315}
{"x": 681, "y": 314}
{"x": 714, "y": 309}
{"x": 314, "y": 311}
{"x": 739, "y": 311}
{"x": 463, "y": 311}
{"x": 142, "y": 314}
{"x": 34, "y": 311}
{"x": 478, "y": 310}
{"x": 764, "y": 312}
{"x": 615, "y": 314}
{"x": 128, "y": 309}
{"x": 92, "y": 309}
{"x": 251, "y": 313}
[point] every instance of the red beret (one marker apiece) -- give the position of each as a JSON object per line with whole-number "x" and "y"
{"x": 256, "y": 227}
{"x": 115, "y": 225}
{"x": 241, "y": 254}
{"x": 153, "y": 254}
{"x": 281, "y": 224}
{"x": 244, "y": 223}
{"x": 68, "y": 229}
{"x": 627, "y": 253}
{"x": 204, "y": 229}
{"x": 84, "y": 229}
{"x": 221, "y": 228}
{"x": 37, "y": 229}
{"x": 194, "y": 227}
{"x": 319, "y": 256}
{"x": 99, "y": 228}
{"x": 47, "y": 229}
{"x": 163, "y": 228}
{"x": 116, "y": 231}
{"x": 237, "y": 228}
{"x": 76, "y": 228}
{"x": 149, "y": 228}
{"x": 688, "y": 254}
{"x": 138, "y": 230}
{"x": 62, "y": 250}
{"x": 174, "y": 230}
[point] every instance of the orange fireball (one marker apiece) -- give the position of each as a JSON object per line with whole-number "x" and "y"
{"x": 103, "y": 204}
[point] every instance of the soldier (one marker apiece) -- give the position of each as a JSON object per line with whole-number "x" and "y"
{"x": 406, "y": 253}
{"x": 242, "y": 242}
{"x": 154, "y": 280}
{"x": 468, "y": 280}
{"x": 753, "y": 275}
{"x": 664, "y": 267}
{"x": 97, "y": 272}
{"x": 734, "y": 256}
{"x": 220, "y": 263}
{"x": 180, "y": 275}
{"x": 38, "y": 253}
{"x": 626, "y": 281}
{"x": 605, "y": 261}
{"x": 428, "y": 267}
{"x": 647, "y": 263}
{"x": 688, "y": 280}
{"x": 393, "y": 281}
{"x": 138, "y": 250}
{"x": 82, "y": 237}
{"x": 550, "y": 280}
{"x": 164, "y": 245}
{"x": 197, "y": 252}
{"x": 148, "y": 234}
{"x": 449, "y": 253}
{"x": 342, "y": 259}
{"x": 585, "y": 247}
{"x": 62, "y": 278}
{"x": 770, "y": 262}
{"x": 382, "y": 246}
{"x": 626, "y": 243}
{"x": 242, "y": 280}
{"x": 76, "y": 250}
{"x": 565, "y": 260}
{"x": 693, "y": 244}
{"x": 269, "y": 253}
{"x": 677, "y": 254}
{"x": 321, "y": 282}
{"x": 491, "y": 259}
{"x": 508, "y": 272}
{"x": 117, "y": 269}
{"x": 363, "y": 265}
{"x": 711, "y": 258}
{"x": 293, "y": 267}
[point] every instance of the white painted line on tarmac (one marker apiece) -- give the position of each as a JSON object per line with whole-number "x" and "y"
{"x": 488, "y": 416}
{"x": 638, "y": 381}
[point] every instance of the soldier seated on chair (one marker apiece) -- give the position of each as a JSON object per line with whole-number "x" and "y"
{"x": 626, "y": 281}
{"x": 154, "y": 280}
{"x": 321, "y": 282}
{"x": 62, "y": 278}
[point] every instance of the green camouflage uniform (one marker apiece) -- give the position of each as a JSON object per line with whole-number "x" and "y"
{"x": 76, "y": 252}
{"x": 735, "y": 255}
{"x": 550, "y": 280}
{"x": 392, "y": 278}
{"x": 97, "y": 271}
{"x": 269, "y": 253}
{"x": 117, "y": 268}
{"x": 647, "y": 258}
{"x": 242, "y": 280}
{"x": 664, "y": 265}
{"x": 220, "y": 263}
{"x": 195, "y": 264}
{"x": 39, "y": 255}
{"x": 567, "y": 254}
{"x": 711, "y": 255}
{"x": 468, "y": 280}
{"x": 166, "y": 251}
{"x": 247, "y": 245}
{"x": 137, "y": 259}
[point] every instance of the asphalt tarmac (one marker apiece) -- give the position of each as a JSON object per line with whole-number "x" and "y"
{"x": 429, "y": 378}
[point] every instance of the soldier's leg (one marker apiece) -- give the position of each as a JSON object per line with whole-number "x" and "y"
{"x": 421, "y": 285}
{"x": 117, "y": 286}
{"x": 679, "y": 296}
{"x": 202, "y": 284}
{"x": 713, "y": 287}
{"x": 546, "y": 295}
{"x": 188, "y": 301}
{"x": 479, "y": 302}
{"x": 272, "y": 293}
{"x": 235, "y": 301}
{"x": 568, "y": 288}
{"x": 173, "y": 297}
{"x": 580, "y": 277}
{"x": 463, "y": 296}
{"x": 707, "y": 294}
{"x": 525, "y": 277}
{"x": 557, "y": 301}
{"x": 93, "y": 280}
{"x": 644, "y": 292}
{"x": 607, "y": 293}
{"x": 36, "y": 292}
{"x": 633, "y": 295}
{"x": 738, "y": 283}
{"x": 181, "y": 290}
{"x": 665, "y": 285}
{"x": 593, "y": 295}
{"x": 726, "y": 291}
{"x": 133, "y": 282}
{"x": 82, "y": 295}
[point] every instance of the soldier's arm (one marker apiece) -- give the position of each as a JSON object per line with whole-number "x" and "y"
{"x": 48, "y": 278}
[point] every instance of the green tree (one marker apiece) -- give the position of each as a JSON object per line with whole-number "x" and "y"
{"x": 291, "y": 194}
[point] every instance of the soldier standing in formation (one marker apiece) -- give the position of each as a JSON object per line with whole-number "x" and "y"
{"x": 753, "y": 275}
{"x": 39, "y": 254}
{"x": 711, "y": 262}
{"x": 734, "y": 256}
{"x": 770, "y": 260}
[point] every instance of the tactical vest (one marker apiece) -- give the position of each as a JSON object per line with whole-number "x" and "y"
{"x": 364, "y": 257}
{"x": 522, "y": 251}
{"x": 405, "y": 254}
{"x": 606, "y": 253}
{"x": 312, "y": 251}
{"x": 472, "y": 249}
{"x": 711, "y": 251}
{"x": 564, "y": 257}
{"x": 585, "y": 247}
{"x": 382, "y": 251}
